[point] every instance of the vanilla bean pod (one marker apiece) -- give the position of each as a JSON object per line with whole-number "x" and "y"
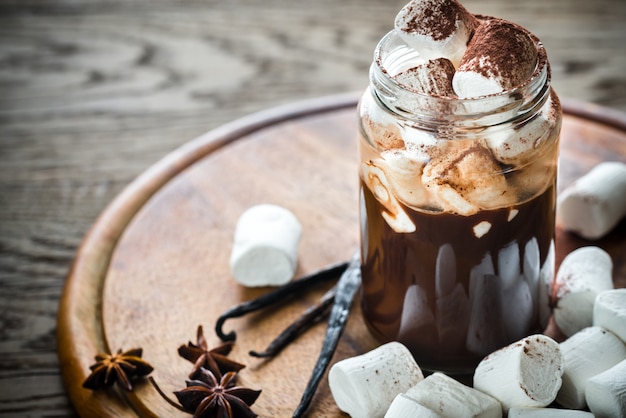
{"x": 311, "y": 316}
{"x": 278, "y": 295}
{"x": 346, "y": 289}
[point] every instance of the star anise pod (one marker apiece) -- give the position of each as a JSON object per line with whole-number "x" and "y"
{"x": 214, "y": 360}
{"x": 205, "y": 397}
{"x": 121, "y": 368}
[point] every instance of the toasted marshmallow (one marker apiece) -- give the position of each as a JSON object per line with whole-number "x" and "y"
{"x": 452, "y": 399}
{"x": 596, "y": 202}
{"x": 436, "y": 28}
{"x": 466, "y": 178}
{"x": 265, "y": 247}
{"x": 583, "y": 274}
{"x": 609, "y": 312}
{"x": 500, "y": 56}
{"x": 364, "y": 386}
{"x": 526, "y": 373}
{"x": 586, "y": 354}
{"x": 605, "y": 393}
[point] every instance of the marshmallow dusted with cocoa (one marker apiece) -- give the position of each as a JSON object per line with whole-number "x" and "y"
{"x": 500, "y": 57}
{"x": 436, "y": 28}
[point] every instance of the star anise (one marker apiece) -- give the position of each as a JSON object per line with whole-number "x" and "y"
{"x": 205, "y": 397}
{"x": 121, "y": 368}
{"x": 214, "y": 360}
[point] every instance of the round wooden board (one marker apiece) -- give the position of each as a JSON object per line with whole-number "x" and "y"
{"x": 154, "y": 266}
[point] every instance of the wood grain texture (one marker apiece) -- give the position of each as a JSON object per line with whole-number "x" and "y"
{"x": 155, "y": 264}
{"x": 93, "y": 92}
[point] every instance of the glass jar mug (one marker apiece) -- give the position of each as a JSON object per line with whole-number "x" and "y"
{"x": 457, "y": 213}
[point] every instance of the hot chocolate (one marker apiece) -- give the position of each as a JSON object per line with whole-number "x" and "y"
{"x": 458, "y": 152}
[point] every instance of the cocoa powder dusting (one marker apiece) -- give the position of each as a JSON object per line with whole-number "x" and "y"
{"x": 501, "y": 49}
{"x": 434, "y": 18}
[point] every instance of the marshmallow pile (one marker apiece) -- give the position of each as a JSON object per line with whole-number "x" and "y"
{"x": 587, "y": 370}
{"x": 477, "y": 57}
{"x": 462, "y": 56}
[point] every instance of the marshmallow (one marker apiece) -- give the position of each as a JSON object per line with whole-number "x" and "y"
{"x": 586, "y": 354}
{"x": 434, "y": 78}
{"x": 405, "y": 407}
{"x": 404, "y": 169}
{"x": 525, "y": 142}
{"x": 436, "y": 28}
{"x": 465, "y": 178}
{"x": 366, "y": 385}
{"x": 265, "y": 247}
{"x": 547, "y": 413}
{"x": 606, "y": 392}
{"x": 376, "y": 181}
{"x": 500, "y": 56}
{"x": 380, "y": 127}
{"x": 583, "y": 274}
{"x": 526, "y": 373}
{"x": 595, "y": 203}
{"x": 451, "y": 399}
{"x": 609, "y": 312}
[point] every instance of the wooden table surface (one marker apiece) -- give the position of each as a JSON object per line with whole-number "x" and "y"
{"x": 94, "y": 92}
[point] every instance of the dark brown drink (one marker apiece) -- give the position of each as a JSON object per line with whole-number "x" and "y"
{"x": 452, "y": 297}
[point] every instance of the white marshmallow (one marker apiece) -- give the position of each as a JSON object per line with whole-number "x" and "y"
{"x": 405, "y": 407}
{"x": 265, "y": 247}
{"x": 404, "y": 170}
{"x": 364, "y": 386}
{"x": 596, "y": 202}
{"x": 586, "y": 354}
{"x": 547, "y": 413}
{"x": 606, "y": 392}
{"x": 485, "y": 69}
{"x": 375, "y": 179}
{"x": 526, "y": 373}
{"x": 436, "y": 28}
{"x": 451, "y": 399}
{"x": 609, "y": 312}
{"x": 583, "y": 274}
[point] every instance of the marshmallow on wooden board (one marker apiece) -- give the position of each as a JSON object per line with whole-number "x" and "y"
{"x": 526, "y": 373}
{"x": 583, "y": 274}
{"x": 436, "y": 28}
{"x": 265, "y": 247}
{"x": 405, "y": 407}
{"x": 594, "y": 204}
{"x": 606, "y": 392}
{"x": 365, "y": 385}
{"x": 586, "y": 354}
{"x": 609, "y": 312}
{"x": 452, "y": 399}
{"x": 547, "y": 413}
